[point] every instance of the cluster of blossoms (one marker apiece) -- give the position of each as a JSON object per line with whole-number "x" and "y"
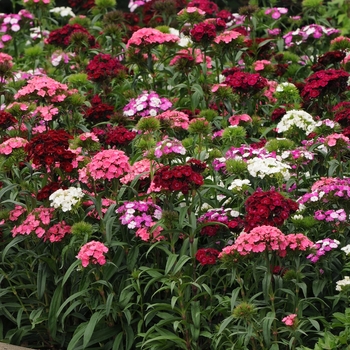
{"x": 276, "y": 12}
{"x": 221, "y": 216}
{"x": 63, "y": 11}
{"x": 92, "y": 253}
{"x": 179, "y": 178}
{"x": 60, "y": 56}
{"x": 57, "y": 232}
{"x": 140, "y": 170}
{"x": 328, "y": 190}
{"x": 337, "y": 141}
{"x": 147, "y": 104}
{"x": 146, "y": 37}
{"x": 239, "y": 185}
{"x": 209, "y": 7}
{"x": 188, "y": 58}
{"x": 203, "y": 33}
{"x": 134, "y": 4}
{"x": 342, "y": 116}
{"x": 66, "y": 199}
{"x": 48, "y": 189}
{"x": 228, "y": 37}
{"x": 117, "y": 136}
{"x": 297, "y": 119}
{"x": 61, "y": 37}
{"x": 9, "y": 145}
{"x": 329, "y": 81}
{"x": 207, "y": 256}
{"x": 315, "y": 31}
{"x": 45, "y": 113}
{"x": 99, "y": 111}
{"x": 11, "y": 23}
{"x": 322, "y": 247}
{"x": 36, "y": 222}
{"x": 268, "y": 167}
{"x": 108, "y": 164}
{"x": 266, "y": 238}
{"x": 343, "y": 285}
{"x": 104, "y": 67}
{"x": 290, "y": 320}
{"x": 51, "y": 149}
{"x": 44, "y": 87}
{"x": 330, "y": 215}
{"x": 298, "y": 156}
{"x": 6, "y": 120}
{"x": 267, "y": 208}
{"x": 169, "y": 147}
{"x": 174, "y": 119}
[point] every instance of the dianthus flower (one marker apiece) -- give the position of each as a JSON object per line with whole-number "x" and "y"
{"x": 290, "y": 320}
{"x": 227, "y": 37}
{"x": 169, "y": 148}
{"x": 174, "y": 119}
{"x": 268, "y": 208}
{"x": 9, "y": 145}
{"x": 105, "y": 67}
{"x": 99, "y": 111}
{"x": 268, "y": 167}
{"x": 209, "y": 7}
{"x": 180, "y": 178}
{"x": 146, "y": 104}
{"x": 190, "y": 55}
{"x": 321, "y": 248}
{"x": 148, "y": 234}
{"x": 51, "y": 149}
{"x": 108, "y": 164}
{"x": 63, "y": 11}
{"x": 221, "y": 216}
{"x": 43, "y": 87}
{"x": 66, "y": 199}
{"x": 47, "y": 190}
{"x": 207, "y": 256}
{"x": 134, "y": 4}
{"x": 57, "y": 232}
{"x": 276, "y": 12}
{"x": 59, "y": 56}
{"x": 140, "y": 169}
{"x": 343, "y": 285}
{"x": 117, "y": 136}
{"x": 139, "y": 214}
{"x": 146, "y": 37}
{"x": 338, "y": 141}
{"x": 330, "y": 215}
{"x": 342, "y": 116}
{"x": 37, "y": 222}
{"x": 45, "y": 113}
{"x": 203, "y": 33}
{"x": 92, "y": 253}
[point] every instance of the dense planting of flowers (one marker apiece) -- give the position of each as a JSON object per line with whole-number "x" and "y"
{"x": 175, "y": 174}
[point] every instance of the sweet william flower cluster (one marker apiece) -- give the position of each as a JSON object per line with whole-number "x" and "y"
{"x": 92, "y": 253}
{"x": 65, "y": 200}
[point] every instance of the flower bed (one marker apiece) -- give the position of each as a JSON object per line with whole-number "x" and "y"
{"x": 175, "y": 175}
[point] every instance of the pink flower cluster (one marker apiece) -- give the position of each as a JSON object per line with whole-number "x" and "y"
{"x": 139, "y": 214}
{"x": 105, "y": 204}
{"x": 302, "y": 34}
{"x": 46, "y": 112}
{"x": 260, "y": 65}
{"x": 174, "y": 119}
{"x": 107, "y": 165}
{"x": 169, "y": 147}
{"x": 195, "y": 53}
{"x": 322, "y": 247}
{"x": 150, "y": 36}
{"x": 9, "y": 145}
{"x": 337, "y": 140}
{"x": 134, "y": 4}
{"x": 5, "y": 58}
{"x": 330, "y": 215}
{"x": 227, "y": 37}
{"x": 290, "y": 320}
{"x": 92, "y": 252}
{"x": 45, "y": 87}
{"x": 147, "y": 104}
{"x": 276, "y": 12}
{"x": 150, "y": 233}
{"x": 57, "y": 232}
{"x": 36, "y": 222}
{"x": 140, "y": 169}
{"x": 236, "y": 119}
{"x": 267, "y": 238}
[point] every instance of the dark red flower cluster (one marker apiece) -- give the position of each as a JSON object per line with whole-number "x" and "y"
{"x": 235, "y": 225}
{"x": 330, "y": 81}
{"x": 331, "y": 57}
{"x": 51, "y": 149}
{"x": 99, "y": 111}
{"x": 61, "y": 36}
{"x": 209, "y": 7}
{"x": 220, "y": 24}
{"x": 225, "y": 15}
{"x": 47, "y": 190}
{"x": 118, "y": 136}
{"x": 342, "y": 116}
{"x": 180, "y": 178}
{"x": 81, "y": 4}
{"x": 104, "y": 67}
{"x": 246, "y": 83}
{"x": 6, "y": 120}
{"x": 278, "y": 113}
{"x": 197, "y": 165}
{"x": 203, "y": 33}
{"x": 267, "y": 208}
{"x": 207, "y": 256}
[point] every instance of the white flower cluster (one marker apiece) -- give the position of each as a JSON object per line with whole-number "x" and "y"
{"x": 261, "y": 167}
{"x": 66, "y": 199}
{"x": 281, "y": 87}
{"x": 185, "y": 41}
{"x": 346, "y": 249}
{"x": 63, "y": 11}
{"x": 238, "y": 185}
{"x": 342, "y": 283}
{"x": 299, "y": 119}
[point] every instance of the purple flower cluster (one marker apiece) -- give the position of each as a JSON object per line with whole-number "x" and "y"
{"x": 139, "y": 214}
{"x": 276, "y": 12}
{"x": 147, "y": 104}
{"x": 322, "y": 247}
{"x": 169, "y": 146}
{"x": 315, "y": 31}
{"x": 330, "y": 215}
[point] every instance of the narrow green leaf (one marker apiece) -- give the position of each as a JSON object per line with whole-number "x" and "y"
{"x": 90, "y": 327}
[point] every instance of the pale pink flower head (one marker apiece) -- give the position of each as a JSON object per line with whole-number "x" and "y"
{"x": 150, "y": 36}
{"x": 227, "y": 37}
{"x": 260, "y": 65}
{"x": 236, "y": 119}
{"x": 6, "y": 59}
{"x": 290, "y": 320}
{"x": 92, "y": 253}
{"x": 191, "y": 9}
{"x": 337, "y": 140}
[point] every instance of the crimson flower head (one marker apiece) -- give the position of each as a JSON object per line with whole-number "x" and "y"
{"x": 203, "y": 33}
{"x": 207, "y": 256}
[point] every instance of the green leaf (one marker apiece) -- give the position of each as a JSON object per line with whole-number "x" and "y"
{"x": 90, "y": 328}
{"x": 132, "y": 257}
{"x": 171, "y": 259}
{"x": 267, "y": 325}
{"x": 53, "y": 310}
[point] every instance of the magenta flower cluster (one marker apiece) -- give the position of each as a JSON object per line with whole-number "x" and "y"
{"x": 147, "y": 104}
{"x": 276, "y": 12}
{"x": 321, "y": 247}
{"x": 139, "y": 214}
{"x": 169, "y": 147}
{"x": 330, "y": 215}
{"x": 150, "y": 36}
{"x": 92, "y": 253}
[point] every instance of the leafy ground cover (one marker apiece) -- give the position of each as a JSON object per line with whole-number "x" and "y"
{"x": 175, "y": 174}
